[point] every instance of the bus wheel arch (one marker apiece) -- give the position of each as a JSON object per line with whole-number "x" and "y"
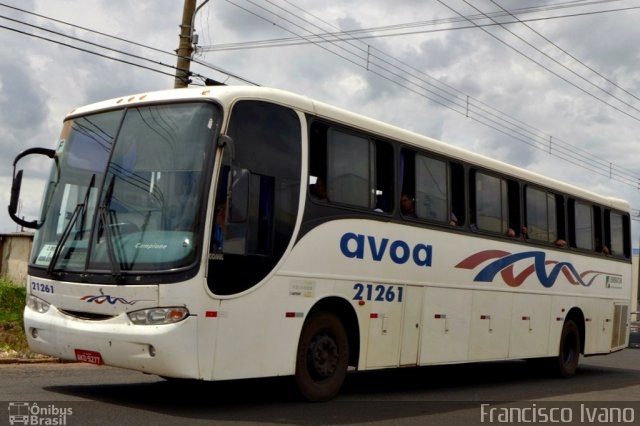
{"x": 571, "y": 343}
{"x": 576, "y": 315}
{"x": 326, "y": 348}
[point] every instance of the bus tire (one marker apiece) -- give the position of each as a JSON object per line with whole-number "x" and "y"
{"x": 322, "y": 358}
{"x": 569, "y": 351}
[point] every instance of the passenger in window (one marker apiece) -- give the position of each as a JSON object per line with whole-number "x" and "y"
{"x": 560, "y": 243}
{"x": 601, "y": 248}
{"x": 319, "y": 190}
{"x": 453, "y": 219}
{"x": 408, "y": 206}
{"x": 524, "y": 233}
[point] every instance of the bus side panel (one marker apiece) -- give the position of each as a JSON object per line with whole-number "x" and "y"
{"x": 411, "y": 326}
{"x": 529, "y": 325}
{"x": 207, "y": 332}
{"x": 385, "y": 323}
{"x": 597, "y": 325}
{"x": 490, "y": 325}
{"x": 257, "y": 338}
{"x": 446, "y": 321}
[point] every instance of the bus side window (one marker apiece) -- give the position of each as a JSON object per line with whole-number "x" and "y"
{"x": 351, "y": 169}
{"x": 581, "y": 225}
{"x": 432, "y": 189}
{"x": 541, "y": 212}
{"x": 349, "y": 172}
{"x": 616, "y": 230}
{"x": 489, "y": 202}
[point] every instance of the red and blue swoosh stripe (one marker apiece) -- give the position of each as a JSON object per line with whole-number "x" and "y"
{"x": 504, "y": 265}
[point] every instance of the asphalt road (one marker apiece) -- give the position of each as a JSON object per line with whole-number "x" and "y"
{"x": 80, "y": 394}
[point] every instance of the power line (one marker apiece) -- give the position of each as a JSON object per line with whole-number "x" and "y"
{"x": 443, "y": 100}
{"x": 567, "y": 53}
{"x": 554, "y": 73}
{"x": 48, "y": 18}
{"x": 333, "y": 37}
{"x": 120, "y": 39}
{"x": 511, "y": 121}
{"x": 493, "y": 120}
{"x": 367, "y": 33}
{"x": 337, "y": 36}
{"x": 84, "y": 50}
{"x": 81, "y": 41}
{"x": 484, "y": 115}
{"x": 547, "y": 68}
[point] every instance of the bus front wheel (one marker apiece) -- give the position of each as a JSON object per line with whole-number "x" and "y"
{"x": 569, "y": 351}
{"x": 322, "y": 357}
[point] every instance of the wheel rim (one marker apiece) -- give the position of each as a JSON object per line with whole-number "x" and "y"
{"x": 323, "y": 356}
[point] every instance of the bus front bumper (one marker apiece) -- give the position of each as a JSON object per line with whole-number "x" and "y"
{"x": 168, "y": 350}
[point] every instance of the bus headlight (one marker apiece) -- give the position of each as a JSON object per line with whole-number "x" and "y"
{"x": 156, "y": 316}
{"x": 36, "y": 304}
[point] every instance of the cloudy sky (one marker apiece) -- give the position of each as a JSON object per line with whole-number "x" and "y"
{"x": 551, "y": 86}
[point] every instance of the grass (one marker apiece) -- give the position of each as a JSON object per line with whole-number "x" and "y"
{"x": 12, "y": 299}
{"x": 12, "y": 338}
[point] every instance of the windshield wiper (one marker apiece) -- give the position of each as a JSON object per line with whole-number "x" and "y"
{"x": 79, "y": 211}
{"x": 103, "y": 217}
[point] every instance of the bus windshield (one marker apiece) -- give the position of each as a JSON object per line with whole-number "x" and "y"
{"x": 127, "y": 190}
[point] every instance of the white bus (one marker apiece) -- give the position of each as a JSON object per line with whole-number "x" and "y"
{"x": 234, "y": 232}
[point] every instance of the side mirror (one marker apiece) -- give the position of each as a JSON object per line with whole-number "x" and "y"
{"x": 15, "y": 194}
{"x": 16, "y": 185}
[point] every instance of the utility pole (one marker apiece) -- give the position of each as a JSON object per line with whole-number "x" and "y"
{"x": 185, "y": 48}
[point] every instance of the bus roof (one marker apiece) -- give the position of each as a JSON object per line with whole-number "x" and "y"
{"x": 227, "y": 95}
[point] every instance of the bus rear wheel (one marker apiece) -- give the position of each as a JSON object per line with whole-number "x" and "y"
{"x": 569, "y": 351}
{"x": 322, "y": 358}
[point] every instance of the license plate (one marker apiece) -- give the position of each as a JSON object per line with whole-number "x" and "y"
{"x": 90, "y": 357}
